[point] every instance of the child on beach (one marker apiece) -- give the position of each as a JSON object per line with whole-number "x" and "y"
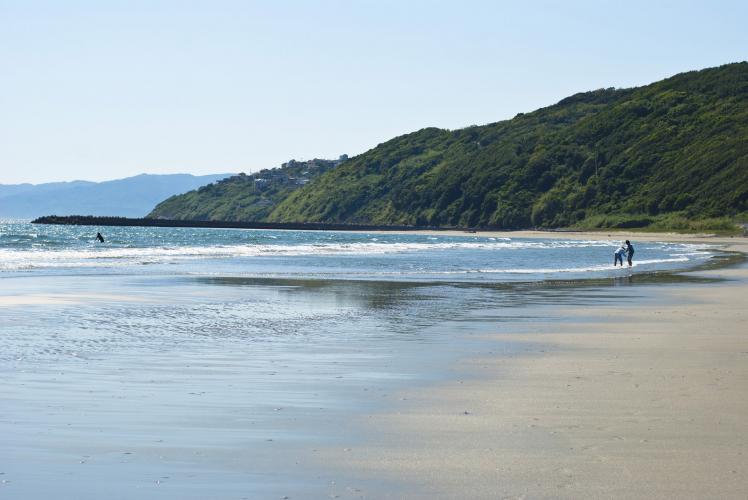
{"x": 618, "y": 256}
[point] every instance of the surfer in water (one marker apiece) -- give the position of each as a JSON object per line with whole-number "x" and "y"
{"x": 629, "y": 252}
{"x": 618, "y": 256}
{"x": 101, "y": 238}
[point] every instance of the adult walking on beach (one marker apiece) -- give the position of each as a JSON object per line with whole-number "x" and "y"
{"x": 629, "y": 252}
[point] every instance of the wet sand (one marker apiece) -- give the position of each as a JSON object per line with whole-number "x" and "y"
{"x": 29, "y": 299}
{"x": 642, "y": 399}
{"x": 566, "y": 394}
{"x": 200, "y": 388}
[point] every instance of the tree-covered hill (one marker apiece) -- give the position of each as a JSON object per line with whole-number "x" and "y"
{"x": 243, "y": 197}
{"x": 674, "y": 149}
{"x": 667, "y": 154}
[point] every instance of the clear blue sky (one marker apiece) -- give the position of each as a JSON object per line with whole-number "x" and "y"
{"x": 106, "y": 89}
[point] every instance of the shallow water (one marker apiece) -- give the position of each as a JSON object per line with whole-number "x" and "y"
{"x": 323, "y": 254}
{"x": 203, "y": 387}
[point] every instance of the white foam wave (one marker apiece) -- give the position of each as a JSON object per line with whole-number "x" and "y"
{"x": 372, "y": 247}
{"x": 540, "y": 270}
{"x": 585, "y": 269}
{"x": 600, "y": 268}
{"x": 97, "y": 256}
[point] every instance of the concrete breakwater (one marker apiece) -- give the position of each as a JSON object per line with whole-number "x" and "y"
{"x": 89, "y": 220}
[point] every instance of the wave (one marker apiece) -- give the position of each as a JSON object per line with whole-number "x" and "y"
{"x": 587, "y": 269}
{"x": 12, "y": 258}
{"x": 371, "y": 247}
{"x": 542, "y": 270}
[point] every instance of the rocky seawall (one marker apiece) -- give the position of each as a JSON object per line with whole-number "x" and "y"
{"x": 88, "y": 220}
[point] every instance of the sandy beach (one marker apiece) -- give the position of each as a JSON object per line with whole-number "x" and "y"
{"x": 645, "y": 399}
{"x": 737, "y": 242}
{"x": 174, "y": 385}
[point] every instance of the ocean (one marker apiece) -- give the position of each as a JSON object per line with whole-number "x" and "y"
{"x": 26, "y": 248}
{"x": 211, "y": 363}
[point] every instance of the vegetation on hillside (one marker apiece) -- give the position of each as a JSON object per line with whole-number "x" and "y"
{"x": 674, "y": 149}
{"x": 673, "y": 154}
{"x": 243, "y": 197}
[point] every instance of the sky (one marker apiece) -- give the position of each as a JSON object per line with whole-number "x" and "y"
{"x": 99, "y": 90}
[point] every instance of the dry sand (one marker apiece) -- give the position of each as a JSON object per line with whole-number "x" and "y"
{"x": 737, "y": 241}
{"x": 637, "y": 400}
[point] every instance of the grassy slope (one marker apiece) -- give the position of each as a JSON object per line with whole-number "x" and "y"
{"x": 667, "y": 152}
{"x": 235, "y": 198}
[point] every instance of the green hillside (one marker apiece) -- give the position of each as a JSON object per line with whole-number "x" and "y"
{"x": 243, "y": 197}
{"x": 673, "y": 154}
{"x": 673, "y": 150}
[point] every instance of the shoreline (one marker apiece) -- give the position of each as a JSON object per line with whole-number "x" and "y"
{"x": 708, "y": 238}
{"x": 642, "y": 399}
{"x": 112, "y": 221}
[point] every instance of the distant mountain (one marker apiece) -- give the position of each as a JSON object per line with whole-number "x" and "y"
{"x": 129, "y": 197}
{"x": 12, "y": 189}
{"x": 244, "y": 197}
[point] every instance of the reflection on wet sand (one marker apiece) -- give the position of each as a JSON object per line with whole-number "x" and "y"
{"x": 231, "y": 385}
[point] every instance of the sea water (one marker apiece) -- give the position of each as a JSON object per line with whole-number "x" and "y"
{"x": 45, "y": 249}
{"x": 211, "y": 363}
{"x": 153, "y": 288}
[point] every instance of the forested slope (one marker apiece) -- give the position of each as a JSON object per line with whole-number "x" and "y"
{"x": 242, "y": 197}
{"x": 626, "y": 157}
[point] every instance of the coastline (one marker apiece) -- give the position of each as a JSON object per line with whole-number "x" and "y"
{"x": 642, "y": 399}
{"x": 88, "y": 220}
{"x": 739, "y": 242}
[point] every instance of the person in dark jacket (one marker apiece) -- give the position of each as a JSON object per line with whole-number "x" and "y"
{"x": 629, "y": 252}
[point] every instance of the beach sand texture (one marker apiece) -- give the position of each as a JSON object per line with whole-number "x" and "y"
{"x": 638, "y": 398}
{"x": 641, "y": 400}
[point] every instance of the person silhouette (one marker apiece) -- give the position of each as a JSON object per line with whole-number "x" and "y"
{"x": 629, "y": 253}
{"x": 100, "y": 237}
{"x": 618, "y": 256}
